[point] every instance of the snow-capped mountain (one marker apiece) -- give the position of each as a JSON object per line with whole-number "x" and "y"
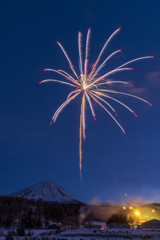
{"x": 47, "y": 191}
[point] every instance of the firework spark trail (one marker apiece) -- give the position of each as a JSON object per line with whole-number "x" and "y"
{"x": 53, "y": 80}
{"x": 73, "y": 93}
{"x": 88, "y": 84}
{"x": 107, "y": 96}
{"x": 65, "y": 74}
{"x": 69, "y": 76}
{"x": 71, "y": 66}
{"x": 109, "y": 39}
{"x": 99, "y": 68}
{"x": 134, "y": 60}
{"x": 65, "y": 54}
{"x": 80, "y": 142}
{"x": 109, "y": 73}
{"x": 127, "y": 94}
{"x": 83, "y": 117}
{"x": 110, "y": 82}
{"x": 97, "y": 93}
{"x": 54, "y": 118}
{"x": 87, "y": 43}
{"x": 105, "y": 45}
{"x": 93, "y": 69}
{"x": 108, "y": 113}
{"x": 91, "y": 107}
{"x": 80, "y": 50}
{"x": 85, "y": 69}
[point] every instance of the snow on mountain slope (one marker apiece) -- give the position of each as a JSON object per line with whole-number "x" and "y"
{"x": 47, "y": 191}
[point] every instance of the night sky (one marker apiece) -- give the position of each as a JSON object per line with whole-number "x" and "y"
{"x": 32, "y": 151}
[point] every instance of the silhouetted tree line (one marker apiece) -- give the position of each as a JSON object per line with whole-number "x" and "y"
{"x": 29, "y": 214}
{"x": 120, "y": 219}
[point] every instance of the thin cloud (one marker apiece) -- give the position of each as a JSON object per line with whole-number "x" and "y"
{"x": 154, "y": 79}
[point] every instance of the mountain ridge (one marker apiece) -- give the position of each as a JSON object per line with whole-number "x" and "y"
{"x": 46, "y": 191}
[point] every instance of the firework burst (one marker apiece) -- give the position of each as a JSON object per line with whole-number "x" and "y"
{"x": 92, "y": 86}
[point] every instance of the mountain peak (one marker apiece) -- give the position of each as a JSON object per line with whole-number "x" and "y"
{"x": 46, "y": 191}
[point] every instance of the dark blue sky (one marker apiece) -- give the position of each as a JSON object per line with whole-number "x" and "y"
{"x": 33, "y": 151}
